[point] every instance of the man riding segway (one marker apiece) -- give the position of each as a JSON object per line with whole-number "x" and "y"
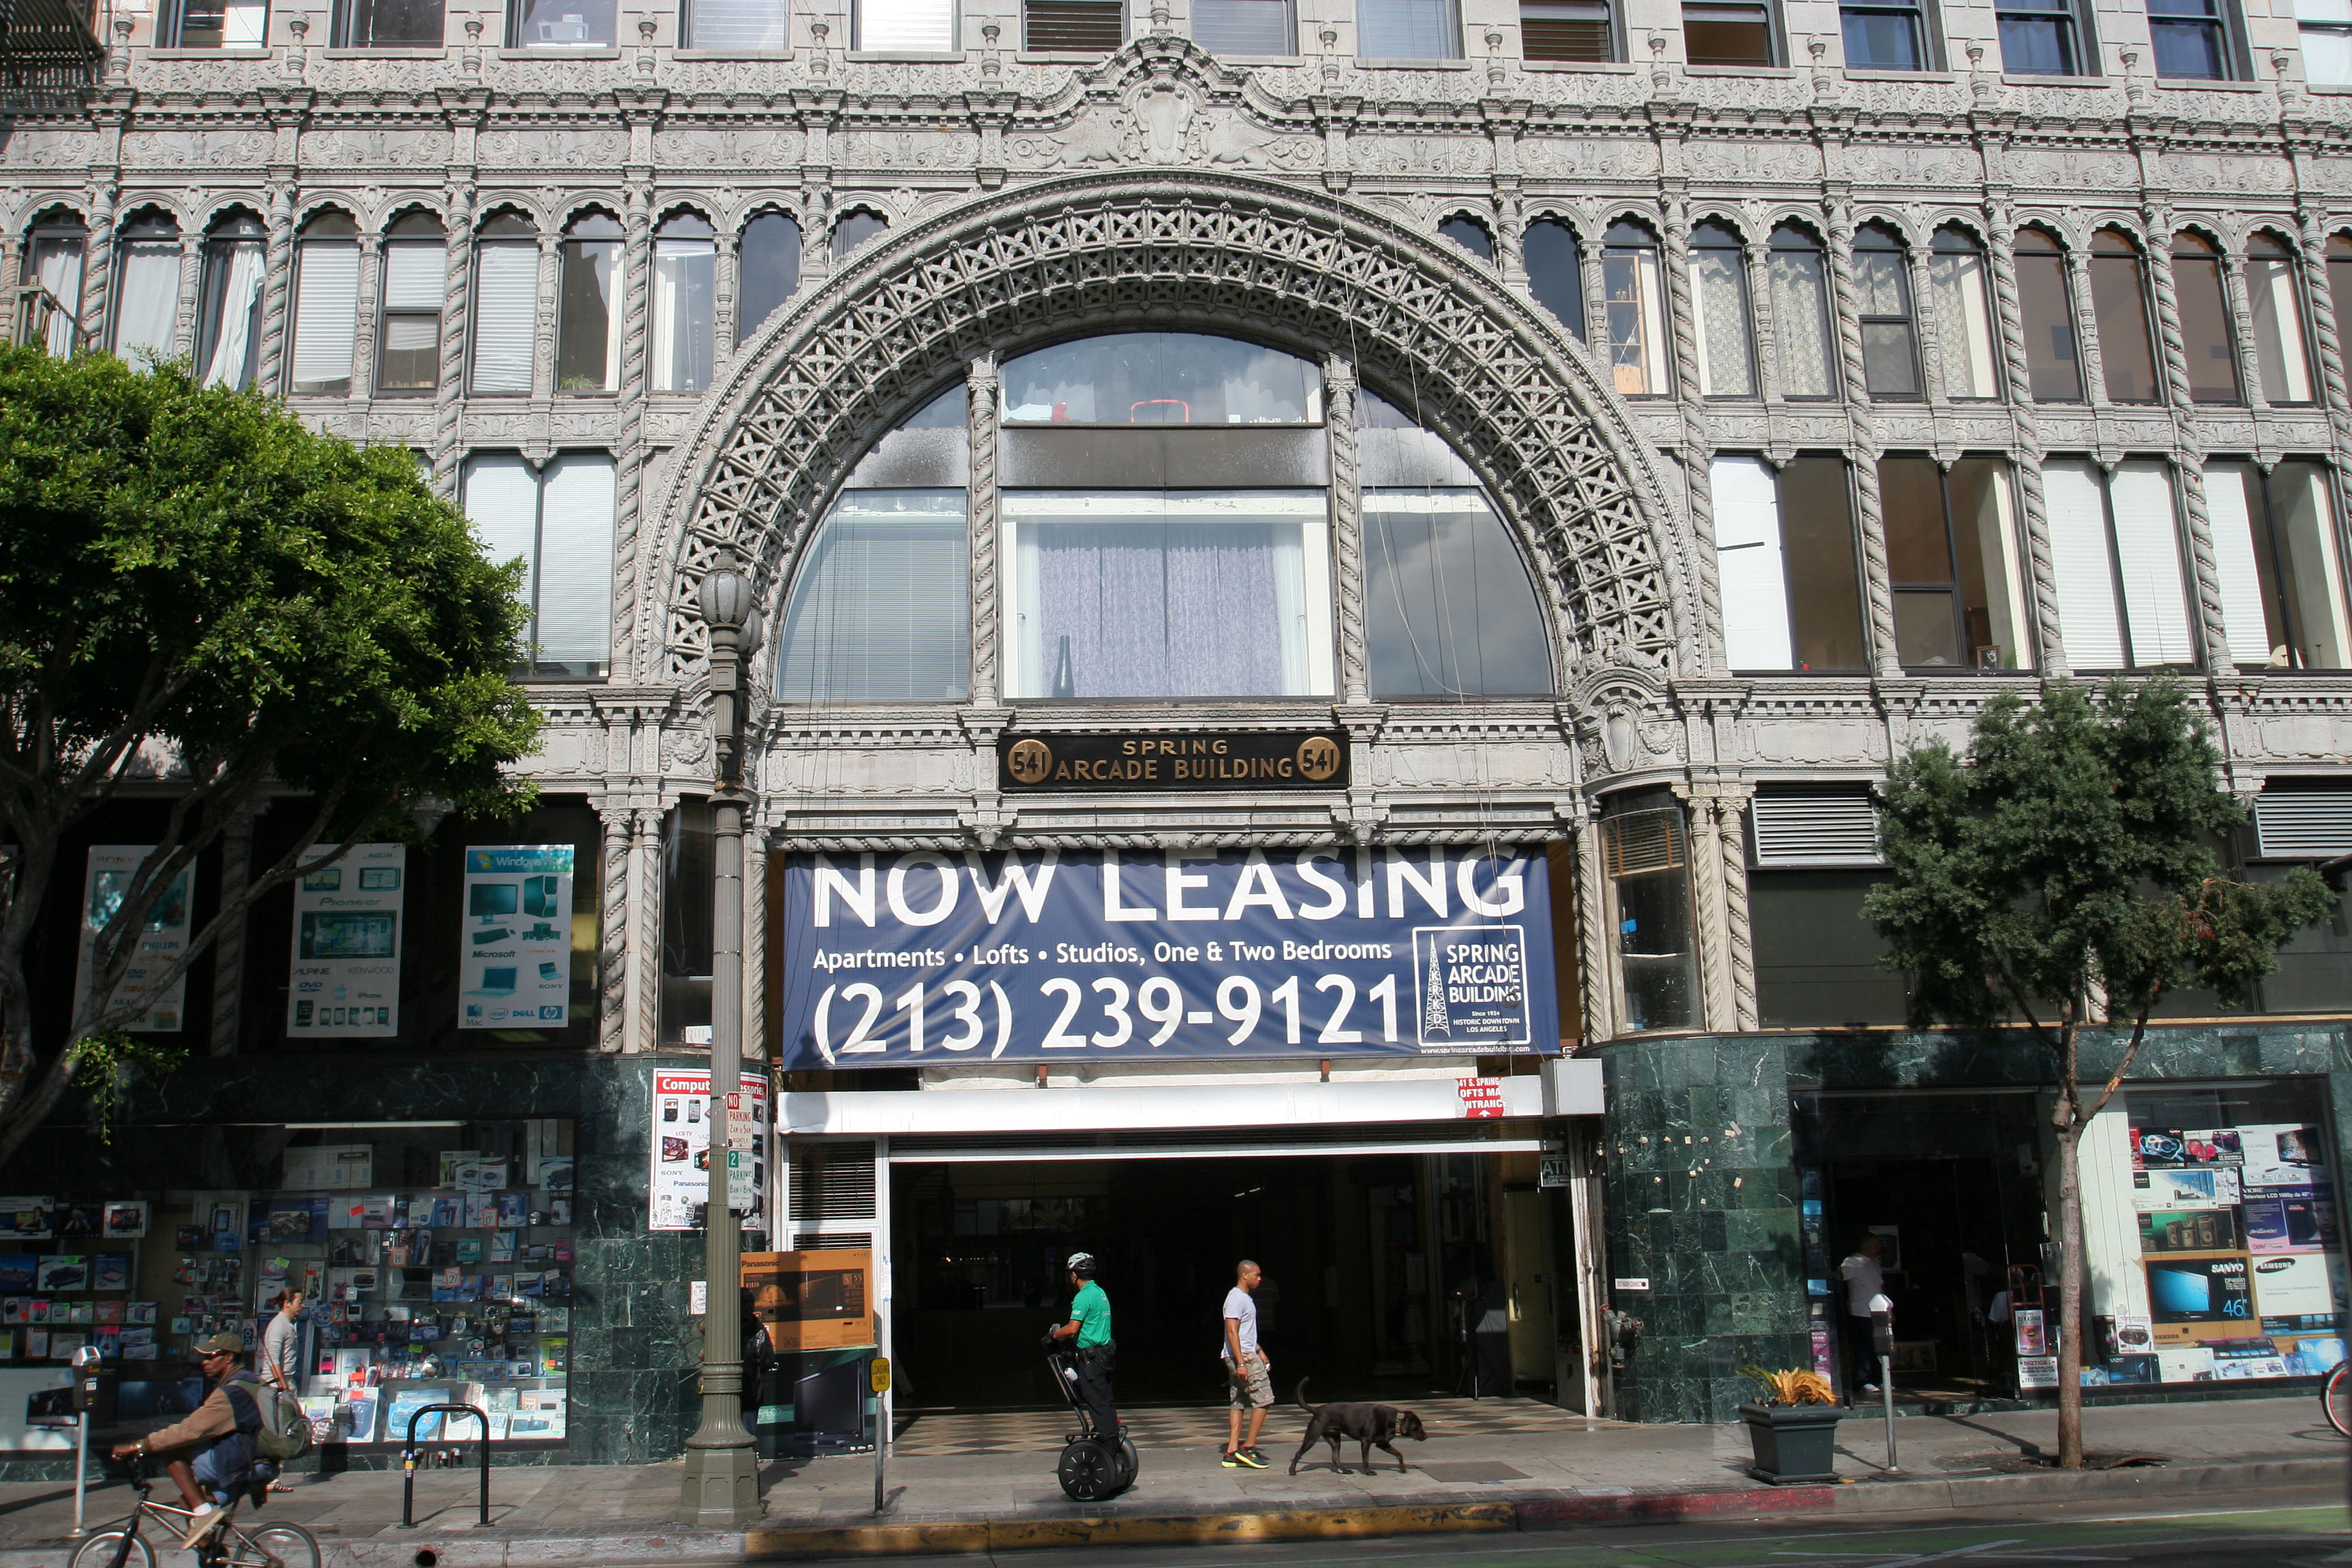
{"x": 1098, "y": 1460}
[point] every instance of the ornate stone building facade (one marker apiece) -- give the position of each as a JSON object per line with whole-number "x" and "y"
{"x": 1822, "y": 402}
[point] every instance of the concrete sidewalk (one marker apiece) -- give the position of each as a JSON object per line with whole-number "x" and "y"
{"x": 962, "y": 1482}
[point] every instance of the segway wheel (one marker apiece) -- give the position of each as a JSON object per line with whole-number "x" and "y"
{"x": 1087, "y": 1473}
{"x": 1129, "y": 1463}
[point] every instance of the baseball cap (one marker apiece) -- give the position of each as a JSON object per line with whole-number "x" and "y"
{"x": 221, "y": 1344}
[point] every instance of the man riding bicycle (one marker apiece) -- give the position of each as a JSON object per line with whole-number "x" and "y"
{"x": 221, "y": 1432}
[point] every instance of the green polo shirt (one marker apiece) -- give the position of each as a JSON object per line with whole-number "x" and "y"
{"x": 1091, "y": 1311}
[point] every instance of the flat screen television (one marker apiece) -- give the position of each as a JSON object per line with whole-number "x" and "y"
{"x": 489, "y": 901}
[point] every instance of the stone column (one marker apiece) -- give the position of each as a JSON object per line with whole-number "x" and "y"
{"x": 1347, "y": 528}
{"x": 229, "y": 947}
{"x": 645, "y": 932}
{"x": 614, "y": 870}
{"x": 192, "y": 276}
{"x": 755, "y": 945}
{"x": 1594, "y": 950}
{"x": 547, "y": 320}
{"x": 636, "y": 284}
{"x": 1682, "y": 318}
{"x": 1871, "y": 521}
{"x": 2212, "y": 639}
{"x": 12, "y": 265}
{"x": 1596, "y": 299}
{"x": 1926, "y": 326}
{"x": 97, "y": 268}
{"x": 725, "y": 271}
{"x": 2086, "y": 327}
{"x": 1759, "y": 259}
{"x": 2242, "y": 322}
{"x": 2041, "y": 574}
{"x": 371, "y": 288}
{"x": 449, "y": 395}
{"x": 277, "y": 288}
{"x": 987, "y": 634}
{"x": 1710, "y": 923}
{"x": 2325, "y": 330}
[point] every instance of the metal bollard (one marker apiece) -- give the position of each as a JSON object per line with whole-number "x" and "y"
{"x": 409, "y": 1458}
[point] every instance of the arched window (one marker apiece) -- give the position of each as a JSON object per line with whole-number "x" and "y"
{"x": 1718, "y": 284}
{"x": 228, "y": 323}
{"x": 587, "y": 330}
{"x": 2207, "y": 339}
{"x": 146, "y": 287}
{"x": 559, "y": 520}
{"x": 881, "y": 608}
{"x": 686, "y": 263}
{"x": 53, "y": 263}
{"x": 856, "y": 227}
{"x": 415, "y": 259}
{"x": 1448, "y": 609}
{"x": 2280, "y": 347}
{"x": 2119, "y": 304}
{"x": 1633, "y": 284}
{"x": 1956, "y": 271}
{"x": 768, "y": 271}
{"x": 1800, "y": 314}
{"x": 1160, "y": 378}
{"x": 505, "y": 304}
{"x": 1470, "y": 234}
{"x": 2053, "y": 368}
{"x": 326, "y": 306}
{"x": 1890, "y": 348}
{"x": 1556, "y": 271}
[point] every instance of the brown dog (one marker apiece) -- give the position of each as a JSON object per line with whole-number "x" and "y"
{"x": 1367, "y": 1424}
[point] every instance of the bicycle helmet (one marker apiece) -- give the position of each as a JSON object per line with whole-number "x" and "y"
{"x": 1081, "y": 1263}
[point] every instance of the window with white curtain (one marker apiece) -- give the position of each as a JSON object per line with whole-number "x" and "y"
{"x": 2281, "y": 348}
{"x": 881, "y": 606}
{"x": 905, "y": 26}
{"x": 2275, "y": 544}
{"x": 1635, "y": 300}
{"x": 686, "y": 263}
{"x": 559, "y": 520}
{"x": 1955, "y": 273}
{"x": 741, "y": 27}
{"x": 1784, "y": 546}
{"x": 53, "y": 260}
{"x": 1800, "y": 314}
{"x": 1408, "y": 30}
{"x": 146, "y": 287}
{"x": 2114, "y": 550}
{"x": 415, "y": 264}
{"x": 505, "y": 304}
{"x": 1161, "y": 593}
{"x": 1718, "y": 281}
{"x": 228, "y": 319}
{"x": 326, "y": 306}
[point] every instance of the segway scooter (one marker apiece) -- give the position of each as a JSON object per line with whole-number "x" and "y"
{"x": 1091, "y": 1468}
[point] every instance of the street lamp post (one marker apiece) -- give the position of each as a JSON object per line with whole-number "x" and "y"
{"x": 722, "y": 1478}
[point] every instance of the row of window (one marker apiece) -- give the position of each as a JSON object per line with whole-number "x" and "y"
{"x": 1795, "y": 298}
{"x": 412, "y": 293}
{"x": 2190, "y": 40}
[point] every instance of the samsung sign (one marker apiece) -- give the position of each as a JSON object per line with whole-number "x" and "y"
{"x": 931, "y": 959}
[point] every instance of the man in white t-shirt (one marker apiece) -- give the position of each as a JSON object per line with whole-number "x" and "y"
{"x": 1863, "y": 1279}
{"x": 1248, "y": 1374}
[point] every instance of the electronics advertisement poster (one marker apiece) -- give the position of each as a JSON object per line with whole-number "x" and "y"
{"x": 680, "y": 1183}
{"x": 892, "y": 961}
{"x": 345, "y": 976}
{"x": 113, "y": 868}
{"x": 515, "y": 955}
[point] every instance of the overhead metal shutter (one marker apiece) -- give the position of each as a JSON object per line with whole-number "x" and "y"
{"x": 832, "y": 1194}
{"x": 1799, "y": 830}
{"x": 2303, "y": 825}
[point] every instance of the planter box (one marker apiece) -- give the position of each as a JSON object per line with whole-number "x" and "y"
{"x": 1793, "y": 1442}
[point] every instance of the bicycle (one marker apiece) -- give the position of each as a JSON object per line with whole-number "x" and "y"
{"x": 273, "y": 1545}
{"x": 2336, "y": 1398}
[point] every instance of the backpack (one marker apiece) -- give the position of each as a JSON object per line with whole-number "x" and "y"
{"x": 277, "y": 1425}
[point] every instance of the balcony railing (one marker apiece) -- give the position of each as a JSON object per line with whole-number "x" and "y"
{"x": 49, "y": 57}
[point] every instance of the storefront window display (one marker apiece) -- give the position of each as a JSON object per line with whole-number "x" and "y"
{"x": 435, "y": 1260}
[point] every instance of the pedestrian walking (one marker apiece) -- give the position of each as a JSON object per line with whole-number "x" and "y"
{"x": 1865, "y": 1277}
{"x": 1249, "y": 1378}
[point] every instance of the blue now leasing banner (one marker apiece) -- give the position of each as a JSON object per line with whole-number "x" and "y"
{"x": 930, "y": 958}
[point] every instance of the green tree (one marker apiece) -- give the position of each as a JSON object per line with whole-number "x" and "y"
{"x": 204, "y": 602}
{"x": 2061, "y": 877}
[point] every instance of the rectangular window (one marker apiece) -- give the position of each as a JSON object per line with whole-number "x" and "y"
{"x": 1645, "y": 876}
{"x": 1244, "y": 28}
{"x": 2115, "y": 547}
{"x": 2208, "y": 339}
{"x": 388, "y": 24}
{"x": 2192, "y": 40}
{"x": 1964, "y": 323}
{"x": 2279, "y": 347}
{"x": 221, "y": 25}
{"x": 326, "y": 317}
{"x": 1816, "y": 958}
{"x": 414, "y": 286}
{"x": 559, "y": 520}
{"x": 54, "y": 266}
{"x": 1159, "y": 594}
{"x": 228, "y": 318}
{"x": 2275, "y": 541}
{"x": 506, "y": 317}
{"x": 564, "y": 24}
{"x": 1952, "y": 557}
{"x": 1890, "y": 353}
{"x": 2293, "y": 827}
{"x": 587, "y": 349}
{"x": 689, "y": 877}
{"x": 880, "y": 610}
{"x": 1572, "y": 30}
{"x": 1448, "y": 610}
{"x": 1636, "y": 316}
{"x": 764, "y": 26}
{"x": 147, "y": 300}
{"x": 2041, "y": 37}
{"x": 1073, "y": 26}
{"x": 1785, "y": 557}
{"x": 2327, "y": 27}
{"x": 2119, "y": 305}
{"x": 1888, "y": 38}
{"x": 2053, "y": 368}
{"x": 684, "y": 275}
{"x": 1800, "y": 320}
{"x": 1408, "y": 30}
{"x": 1718, "y": 281}
{"x": 1729, "y": 33}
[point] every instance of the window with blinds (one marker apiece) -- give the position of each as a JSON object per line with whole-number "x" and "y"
{"x": 413, "y": 288}
{"x": 2115, "y": 543}
{"x": 559, "y": 521}
{"x": 686, "y": 261}
{"x": 1073, "y": 26}
{"x": 880, "y": 610}
{"x": 506, "y": 317}
{"x": 326, "y": 317}
{"x": 2274, "y": 544}
{"x": 1244, "y": 28}
{"x": 1644, "y": 842}
{"x": 741, "y": 27}
{"x": 1792, "y": 831}
{"x": 905, "y": 26}
{"x": 2303, "y": 825}
{"x": 1408, "y": 30}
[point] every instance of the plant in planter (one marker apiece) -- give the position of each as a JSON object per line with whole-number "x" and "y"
{"x": 1793, "y": 1426}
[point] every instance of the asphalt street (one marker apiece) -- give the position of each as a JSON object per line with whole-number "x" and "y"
{"x": 2292, "y": 1530}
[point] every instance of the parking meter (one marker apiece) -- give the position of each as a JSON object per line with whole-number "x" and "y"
{"x": 94, "y": 1387}
{"x": 1881, "y": 1343}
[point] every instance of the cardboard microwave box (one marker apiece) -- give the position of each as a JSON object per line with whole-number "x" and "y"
{"x": 817, "y": 1301}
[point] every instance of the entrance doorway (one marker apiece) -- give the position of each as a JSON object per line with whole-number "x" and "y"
{"x": 1386, "y": 1275}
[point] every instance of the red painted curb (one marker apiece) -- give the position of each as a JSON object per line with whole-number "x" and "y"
{"x": 1649, "y": 1508}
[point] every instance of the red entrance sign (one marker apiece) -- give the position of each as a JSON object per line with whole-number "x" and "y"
{"x": 1482, "y": 1097}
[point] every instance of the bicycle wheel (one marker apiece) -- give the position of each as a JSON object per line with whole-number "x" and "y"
{"x": 100, "y": 1551}
{"x": 2336, "y": 1398}
{"x": 277, "y": 1546}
